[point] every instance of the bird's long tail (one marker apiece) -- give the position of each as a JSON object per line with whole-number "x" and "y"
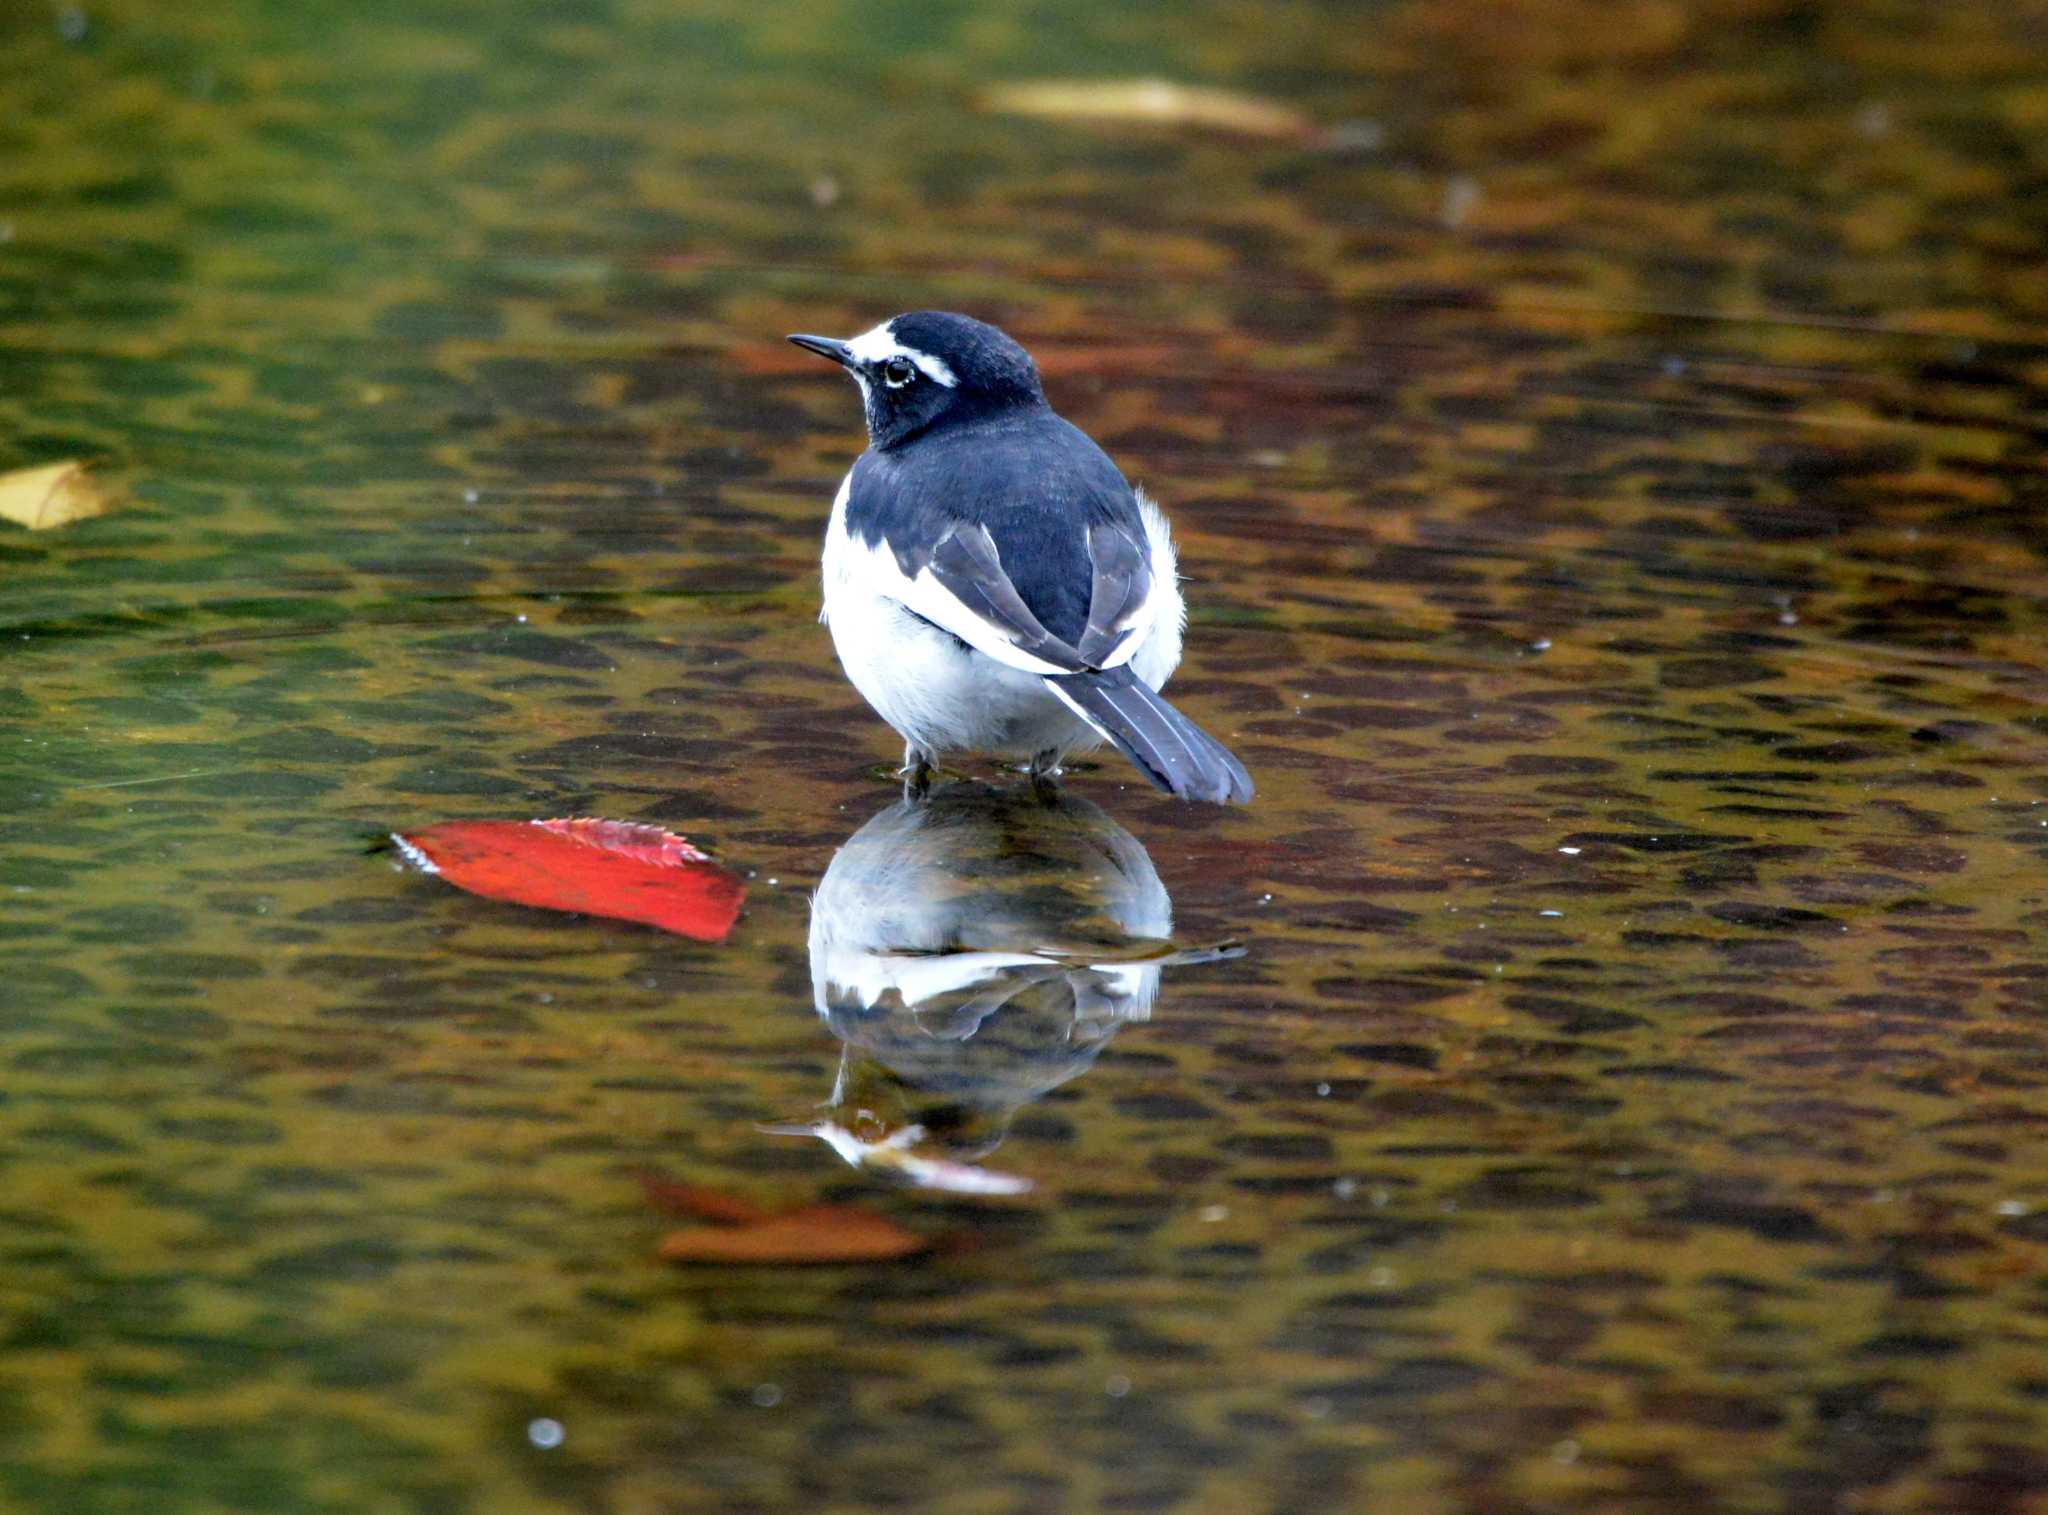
{"x": 1169, "y": 749}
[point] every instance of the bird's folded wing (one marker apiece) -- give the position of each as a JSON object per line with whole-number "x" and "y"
{"x": 963, "y": 588}
{"x": 1121, "y": 606}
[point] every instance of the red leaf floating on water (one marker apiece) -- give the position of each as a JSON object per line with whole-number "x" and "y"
{"x": 646, "y": 844}
{"x": 612, "y": 868}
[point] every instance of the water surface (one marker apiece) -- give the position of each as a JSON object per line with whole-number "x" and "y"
{"x": 1609, "y": 472}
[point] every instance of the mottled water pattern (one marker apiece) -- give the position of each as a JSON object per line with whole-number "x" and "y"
{"x": 1610, "y": 472}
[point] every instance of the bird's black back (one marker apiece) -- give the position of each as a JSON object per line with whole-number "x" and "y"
{"x": 1035, "y": 481}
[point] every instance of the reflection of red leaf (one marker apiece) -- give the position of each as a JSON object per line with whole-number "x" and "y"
{"x": 815, "y": 1234}
{"x": 611, "y": 868}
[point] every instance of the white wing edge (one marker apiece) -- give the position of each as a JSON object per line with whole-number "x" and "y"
{"x": 1163, "y": 592}
{"x": 876, "y": 567}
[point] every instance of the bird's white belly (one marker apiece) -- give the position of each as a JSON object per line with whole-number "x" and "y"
{"x": 941, "y": 694}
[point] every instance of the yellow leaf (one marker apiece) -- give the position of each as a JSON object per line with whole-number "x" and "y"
{"x": 1150, "y": 102}
{"x": 55, "y": 494}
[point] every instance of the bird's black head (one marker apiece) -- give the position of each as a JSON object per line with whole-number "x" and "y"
{"x": 931, "y": 367}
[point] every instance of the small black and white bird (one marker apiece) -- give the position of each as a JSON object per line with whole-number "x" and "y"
{"x": 992, "y": 583}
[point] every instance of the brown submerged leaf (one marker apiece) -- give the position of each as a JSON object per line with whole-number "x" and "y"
{"x": 53, "y": 494}
{"x": 741, "y": 1231}
{"x": 815, "y": 1234}
{"x": 1151, "y": 102}
{"x": 700, "y": 1203}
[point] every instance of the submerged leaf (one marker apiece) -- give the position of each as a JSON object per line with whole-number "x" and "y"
{"x": 54, "y": 494}
{"x": 815, "y": 1234}
{"x": 1150, "y": 102}
{"x": 741, "y": 1231}
{"x": 618, "y": 869}
{"x": 700, "y": 1203}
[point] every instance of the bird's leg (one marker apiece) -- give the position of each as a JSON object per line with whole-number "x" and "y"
{"x": 916, "y": 771}
{"x": 839, "y": 1083}
{"x": 1045, "y": 769}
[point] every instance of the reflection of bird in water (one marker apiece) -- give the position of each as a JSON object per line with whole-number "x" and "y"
{"x": 974, "y": 951}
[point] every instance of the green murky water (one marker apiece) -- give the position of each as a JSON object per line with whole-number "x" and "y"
{"x": 1610, "y": 472}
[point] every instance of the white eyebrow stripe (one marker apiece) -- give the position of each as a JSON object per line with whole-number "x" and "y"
{"x": 879, "y": 344}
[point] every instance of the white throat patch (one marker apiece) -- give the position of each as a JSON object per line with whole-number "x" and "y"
{"x": 880, "y": 344}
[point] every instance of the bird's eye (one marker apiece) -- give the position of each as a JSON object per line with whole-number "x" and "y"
{"x": 898, "y": 372}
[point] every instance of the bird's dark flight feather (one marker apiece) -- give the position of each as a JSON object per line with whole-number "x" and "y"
{"x": 965, "y": 563}
{"x": 1169, "y": 749}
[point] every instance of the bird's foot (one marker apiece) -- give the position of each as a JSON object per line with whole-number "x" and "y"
{"x": 1045, "y": 773}
{"x": 916, "y": 772}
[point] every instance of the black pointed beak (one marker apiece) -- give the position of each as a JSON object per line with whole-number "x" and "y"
{"x": 825, "y": 347}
